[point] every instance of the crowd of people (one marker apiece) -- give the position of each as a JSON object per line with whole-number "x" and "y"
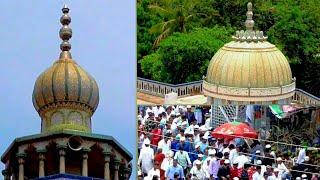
{"x": 175, "y": 142}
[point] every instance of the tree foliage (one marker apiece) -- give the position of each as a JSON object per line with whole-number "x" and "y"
{"x": 184, "y": 57}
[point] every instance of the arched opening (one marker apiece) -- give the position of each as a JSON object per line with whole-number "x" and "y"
{"x": 51, "y": 163}
{"x": 73, "y": 162}
{"x": 31, "y": 168}
{"x": 96, "y": 162}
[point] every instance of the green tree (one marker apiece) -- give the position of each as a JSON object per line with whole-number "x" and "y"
{"x": 176, "y": 16}
{"x": 297, "y": 33}
{"x": 145, "y": 20}
{"x": 184, "y": 57}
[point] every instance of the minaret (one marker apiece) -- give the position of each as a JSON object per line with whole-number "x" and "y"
{"x": 66, "y": 96}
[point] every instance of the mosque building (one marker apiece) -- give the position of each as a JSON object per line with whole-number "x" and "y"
{"x": 66, "y": 96}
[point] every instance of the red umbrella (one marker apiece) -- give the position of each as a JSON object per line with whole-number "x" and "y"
{"x": 234, "y": 129}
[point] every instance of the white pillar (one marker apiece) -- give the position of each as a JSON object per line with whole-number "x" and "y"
{"x": 41, "y": 164}
{"x": 107, "y": 165}
{"x": 85, "y": 164}
{"x": 21, "y": 166}
{"x": 62, "y": 165}
{"x": 116, "y": 169}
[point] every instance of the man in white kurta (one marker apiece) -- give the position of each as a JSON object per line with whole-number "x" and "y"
{"x": 165, "y": 144}
{"x": 197, "y": 172}
{"x": 146, "y": 158}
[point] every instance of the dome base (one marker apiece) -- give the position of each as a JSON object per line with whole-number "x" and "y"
{"x": 66, "y": 119}
{"x": 271, "y": 95}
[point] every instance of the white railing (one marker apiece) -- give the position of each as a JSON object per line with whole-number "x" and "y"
{"x": 303, "y": 97}
{"x": 160, "y": 89}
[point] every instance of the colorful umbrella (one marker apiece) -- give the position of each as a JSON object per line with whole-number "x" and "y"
{"x": 234, "y": 129}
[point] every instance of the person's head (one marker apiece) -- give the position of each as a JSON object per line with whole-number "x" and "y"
{"x": 239, "y": 148}
{"x": 189, "y": 108}
{"x": 156, "y": 165}
{"x": 268, "y": 148}
{"x": 276, "y": 171}
{"x": 279, "y": 160}
{"x": 226, "y": 162}
{"x": 219, "y": 155}
{"x": 204, "y": 139}
{"x": 246, "y": 166}
{"x": 182, "y": 140}
{"x": 181, "y": 132}
{"x": 155, "y": 177}
{"x": 197, "y": 147}
{"x": 258, "y": 152}
{"x": 175, "y": 162}
{"x": 180, "y": 148}
{"x": 183, "y": 117}
{"x": 194, "y": 122}
{"x": 226, "y": 154}
{"x": 159, "y": 150}
{"x": 198, "y": 164}
{"x": 231, "y": 146}
{"x": 265, "y": 175}
{"x": 200, "y": 156}
{"x": 225, "y": 145}
{"x": 258, "y": 168}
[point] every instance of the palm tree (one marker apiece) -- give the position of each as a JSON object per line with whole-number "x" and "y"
{"x": 176, "y": 14}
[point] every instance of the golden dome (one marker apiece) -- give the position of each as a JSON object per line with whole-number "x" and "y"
{"x": 65, "y": 95}
{"x": 249, "y": 69}
{"x": 65, "y": 82}
{"x": 249, "y": 64}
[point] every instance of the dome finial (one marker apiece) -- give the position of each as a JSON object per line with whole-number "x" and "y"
{"x": 65, "y": 33}
{"x": 249, "y": 22}
{"x": 249, "y": 35}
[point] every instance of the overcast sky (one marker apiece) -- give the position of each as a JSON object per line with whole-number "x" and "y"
{"x": 103, "y": 43}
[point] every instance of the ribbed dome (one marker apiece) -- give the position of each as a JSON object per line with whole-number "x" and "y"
{"x": 65, "y": 95}
{"x": 249, "y": 64}
{"x": 65, "y": 82}
{"x": 249, "y": 70}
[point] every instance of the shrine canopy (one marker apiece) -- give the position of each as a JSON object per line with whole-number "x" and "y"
{"x": 233, "y": 130}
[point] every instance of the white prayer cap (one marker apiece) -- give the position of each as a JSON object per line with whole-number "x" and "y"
{"x": 259, "y": 162}
{"x": 210, "y": 110}
{"x": 212, "y": 152}
{"x": 177, "y": 114}
{"x": 227, "y": 161}
{"x": 196, "y": 126}
{"x": 146, "y": 141}
{"x": 279, "y": 159}
{"x": 207, "y": 115}
{"x": 203, "y": 128}
{"x": 276, "y": 170}
{"x": 183, "y": 138}
{"x": 235, "y": 178}
{"x": 200, "y": 155}
{"x": 304, "y": 176}
{"x": 298, "y": 178}
{"x": 197, "y": 146}
{"x": 258, "y": 152}
{"x": 188, "y": 106}
{"x": 197, "y": 162}
{"x": 184, "y": 123}
{"x": 306, "y": 158}
{"x": 268, "y": 146}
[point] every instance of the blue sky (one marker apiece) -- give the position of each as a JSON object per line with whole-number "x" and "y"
{"x": 103, "y": 43}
